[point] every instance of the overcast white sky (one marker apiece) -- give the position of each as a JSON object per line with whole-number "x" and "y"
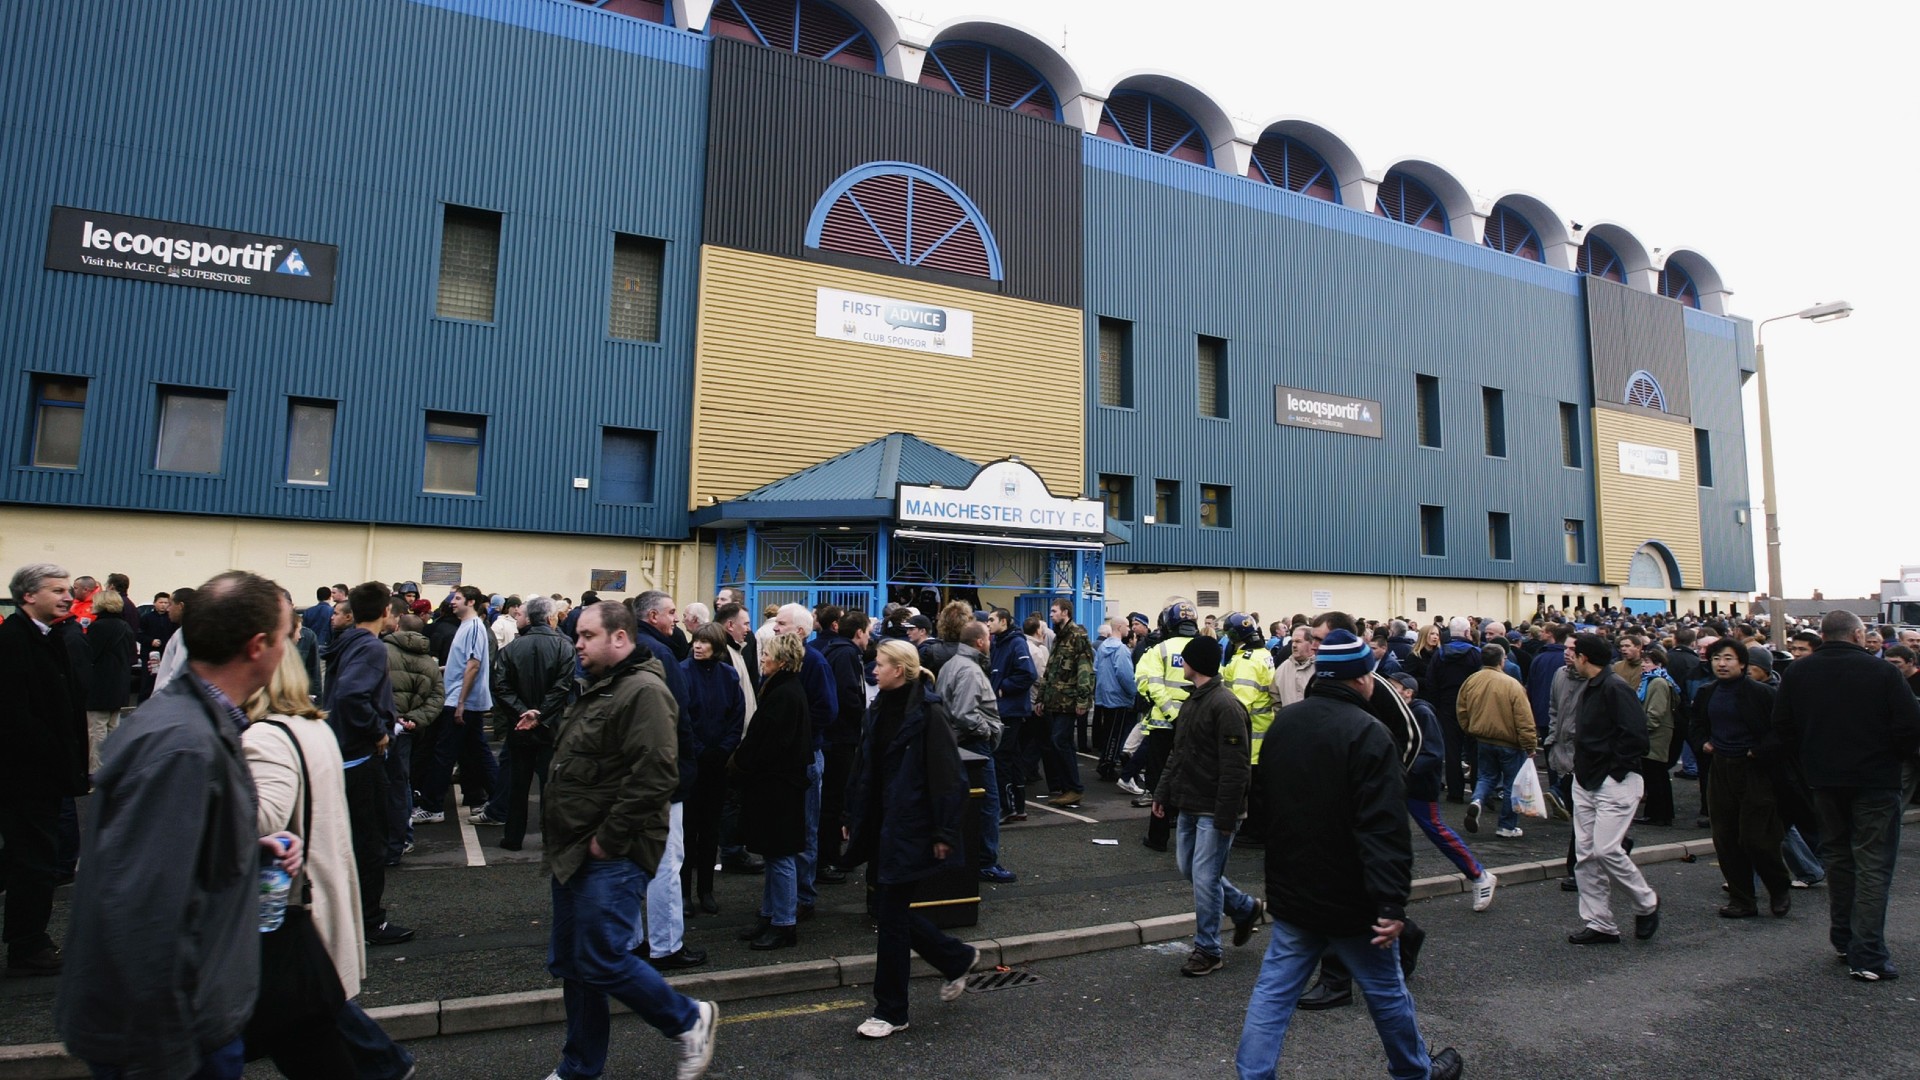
{"x": 1775, "y": 147}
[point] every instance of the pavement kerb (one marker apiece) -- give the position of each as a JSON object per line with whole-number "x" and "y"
{"x": 452, "y": 1016}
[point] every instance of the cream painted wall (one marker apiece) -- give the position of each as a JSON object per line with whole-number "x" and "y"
{"x": 1280, "y": 595}
{"x": 168, "y": 551}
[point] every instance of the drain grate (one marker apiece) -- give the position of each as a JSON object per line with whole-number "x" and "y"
{"x": 987, "y": 981}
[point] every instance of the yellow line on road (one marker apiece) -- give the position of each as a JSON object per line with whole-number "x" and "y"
{"x": 797, "y": 1010}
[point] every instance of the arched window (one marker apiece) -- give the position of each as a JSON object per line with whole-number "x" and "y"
{"x": 1652, "y": 567}
{"x": 809, "y": 27}
{"x": 1644, "y": 390}
{"x": 653, "y": 11}
{"x": 991, "y": 74}
{"x": 1598, "y": 258}
{"x": 1677, "y": 284}
{"x": 906, "y": 214}
{"x": 1147, "y": 122}
{"x": 1411, "y": 202}
{"x": 1508, "y": 231}
{"x": 1286, "y": 162}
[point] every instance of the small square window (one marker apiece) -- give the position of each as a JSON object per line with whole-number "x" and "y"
{"x": 626, "y": 465}
{"x": 454, "y": 443}
{"x": 59, "y": 418}
{"x": 1575, "y": 539}
{"x": 1116, "y": 363}
{"x": 469, "y": 262}
{"x": 635, "y": 304}
{"x": 1433, "y": 531}
{"x": 310, "y": 442}
{"x": 1499, "y": 536}
{"x": 1166, "y": 502}
{"x": 1216, "y": 506}
{"x": 193, "y": 431}
{"x": 1117, "y": 493}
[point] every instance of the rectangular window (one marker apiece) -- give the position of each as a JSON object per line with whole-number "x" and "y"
{"x": 626, "y": 465}
{"x": 635, "y": 306}
{"x": 1433, "y": 531}
{"x": 310, "y": 442}
{"x": 59, "y": 415}
{"x": 1428, "y": 389}
{"x": 1493, "y": 408}
{"x": 1116, "y": 363}
{"x": 1569, "y": 434}
{"x": 1703, "y": 455}
{"x": 1117, "y": 493}
{"x": 1575, "y": 533}
{"x": 1216, "y": 506}
{"x": 453, "y": 454}
{"x": 1166, "y": 502}
{"x": 1211, "y": 376}
{"x": 193, "y": 430}
{"x": 469, "y": 258}
{"x": 1499, "y": 536}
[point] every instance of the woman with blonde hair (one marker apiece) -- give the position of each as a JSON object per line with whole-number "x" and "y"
{"x": 770, "y": 766}
{"x": 904, "y": 805}
{"x": 300, "y": 785}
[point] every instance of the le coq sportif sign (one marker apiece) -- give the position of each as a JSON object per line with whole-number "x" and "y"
{"x": 175, "y": 253}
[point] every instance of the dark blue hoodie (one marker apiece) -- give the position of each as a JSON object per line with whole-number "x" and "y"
{"x": 359, "y": 693}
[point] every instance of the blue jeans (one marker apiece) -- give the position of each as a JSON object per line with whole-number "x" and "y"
{"x": 989, "y": 853}
{"x": 1859, "y": 838}
{"x": 779, "y": 890}
{"x": 594, "y": 916}
{"x": 1200, "y": 850}
{"x": 1499, "y": 764}
{"x": 1291, "y": 956}
{"x": 807, "y": 862}
{"x": 399, "y": 794}
{"x": 220, "y": 1063}
{"x": 1800, "y": 857}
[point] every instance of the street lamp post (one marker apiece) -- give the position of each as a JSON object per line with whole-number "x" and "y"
{"x": 1776, "y": 593}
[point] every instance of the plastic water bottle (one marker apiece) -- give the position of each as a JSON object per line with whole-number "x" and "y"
{"x": 275, "y": 884}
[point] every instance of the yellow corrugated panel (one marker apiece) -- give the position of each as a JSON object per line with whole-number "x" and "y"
{"x": 1636, "y": 509}
{"x": 771, "y": 398}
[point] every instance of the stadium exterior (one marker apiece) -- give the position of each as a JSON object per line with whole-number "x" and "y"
{"x": 544, "y": 294}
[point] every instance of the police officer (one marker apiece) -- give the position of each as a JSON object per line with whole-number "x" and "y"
{"x": 1248, "y": 673}
{"x": 1162, "y": 679}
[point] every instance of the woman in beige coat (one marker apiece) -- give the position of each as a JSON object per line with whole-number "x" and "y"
{"x": 329, "y": 836}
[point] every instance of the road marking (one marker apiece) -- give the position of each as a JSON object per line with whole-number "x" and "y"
{"x": 1063, "y": 813}
{"x": 797, "y": 1010}
{"x": 468, "y": 837}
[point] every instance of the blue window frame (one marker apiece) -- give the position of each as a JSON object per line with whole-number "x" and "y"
{"x": 1148, "y": 122}
{"x": 1644, "y": 391}
{"x": 1286, "y": 162}
{"x": 1598, "y": 258}
{"x": 626, "y": 465}
{"x": 907, "y": 214}
{"x": 1509, "y": 231}
{"x": 1677, "y": 284}
{"x": 991, "y": 74}
{"x": 813, "y": 28}
{"x": 455, "y": 445}
{"x": 59, "y": 421}
{"x": 1410, "y": 202}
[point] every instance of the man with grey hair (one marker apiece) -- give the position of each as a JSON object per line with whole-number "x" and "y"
{"x": 1447, "y": 671}
{"x": 974, "y": 711}
{"x": 532, "y": 686}
{"x": 43, "y": 723}
{"x": 823, "y": 704}
{"x": 693, "y": 618}
{"x": 1855, "y": 725}
{"x": 664, "y": 943}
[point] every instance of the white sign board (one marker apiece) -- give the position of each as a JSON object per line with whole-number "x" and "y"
{"x": 892, "y": 324}
{"x": 1323, "y": 598}
{"x": 1658, "y": 462}
{"x": 1005, "y": 496}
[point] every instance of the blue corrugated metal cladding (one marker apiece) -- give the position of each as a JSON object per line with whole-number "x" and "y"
{"x": 352, "y": 123}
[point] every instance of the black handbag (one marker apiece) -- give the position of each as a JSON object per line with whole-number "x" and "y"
{"x": 300, "y": 992}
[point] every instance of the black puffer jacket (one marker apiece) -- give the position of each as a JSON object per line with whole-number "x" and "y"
{"x": 1208, "y": 770}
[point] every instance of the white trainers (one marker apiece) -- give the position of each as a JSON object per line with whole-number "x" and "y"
{"x": 696, "y": 1043}
{"x": 1508, "y": 834}
{"x": 953, "y": 988}
{"x": 1131, "y": 787}
{"x": 422, "y": 814}
{"x": 876, "y": 1028}
{"x": 1483, "y": 889}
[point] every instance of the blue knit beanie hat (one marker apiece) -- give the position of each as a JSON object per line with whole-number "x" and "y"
{"x": 1343, "y": 656}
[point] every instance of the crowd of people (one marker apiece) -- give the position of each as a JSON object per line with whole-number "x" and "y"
{"x": 799, "y": 746}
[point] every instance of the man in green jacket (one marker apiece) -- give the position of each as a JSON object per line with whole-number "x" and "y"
{"x": 604, "y": 815}
{"x": 1066, "y": 697}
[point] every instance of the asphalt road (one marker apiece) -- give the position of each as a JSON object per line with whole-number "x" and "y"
{"x": 1705, "y": 998}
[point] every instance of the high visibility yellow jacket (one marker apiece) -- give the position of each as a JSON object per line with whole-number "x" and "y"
{"x": 1161, "y": 676}
{"x": 1249, "y": 673}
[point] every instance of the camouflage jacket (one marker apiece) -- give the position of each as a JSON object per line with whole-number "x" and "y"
{"x": 1067, "y": 684}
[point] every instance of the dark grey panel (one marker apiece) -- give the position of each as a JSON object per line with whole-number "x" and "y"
{"x": 1636, "y": 331}
{"x": 784, "y": 127}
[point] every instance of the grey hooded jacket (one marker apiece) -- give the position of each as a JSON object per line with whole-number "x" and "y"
{"x": 968, "y": 692}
